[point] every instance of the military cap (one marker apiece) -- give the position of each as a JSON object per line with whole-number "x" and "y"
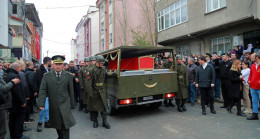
{"x": 223, "y": 54}
{"x": 178, "y": 57}
{"x": 208, "y": 55}
{"x": 170, "y": 56}
{"x": 100, "y": 59}
{"x": 93, "y": 58}
{"x": 58, "y": 59}
{"x": 87, "y": 59}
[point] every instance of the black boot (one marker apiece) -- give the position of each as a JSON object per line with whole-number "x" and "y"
{"x": 95, "y": 124}
{"x": 166, "y": 103}
{"x": 39, "y": 127}
{"x": 229, "y": 110}
{"x": 91, "y": 116}
{"x": 179, "y": 108}
{"x": 212, "y": 110}
{"x": 183, "y": 105}
{"x": 254, "y": 116}
{"x": 204, "y": 112}
{"x": 105, "y": 123}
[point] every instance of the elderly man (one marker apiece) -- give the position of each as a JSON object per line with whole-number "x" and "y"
{"x": 58, "y": 86}
{"x": 5, "y": 92}
{"x": 191, "y": 73}
{"x": 17, "y": 111}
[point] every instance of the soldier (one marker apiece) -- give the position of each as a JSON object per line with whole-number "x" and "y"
{"x": 168, "y": 65}
{"x": 58, "y": 86}
{"x": 157, "y": 64}
{"x": 82, "y": 78}
{"x": 92, "y": 61}
{"x": 183, "y": 83}
{"x": 97, "y": 101}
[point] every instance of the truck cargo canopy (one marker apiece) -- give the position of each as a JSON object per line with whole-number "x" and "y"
{"x": 136, "y": 51}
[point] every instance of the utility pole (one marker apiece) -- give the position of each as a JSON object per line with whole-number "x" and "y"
{"x": 48, "y": 53}
{"x": 24, "y": 27}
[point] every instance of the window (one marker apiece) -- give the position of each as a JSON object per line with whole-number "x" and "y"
{"x": 110, "y": 38}
{"x": 221, "y": 44}
{"x": 110, "y": 18}
{"x": 184, "y": 50}
{"x": 175, "y": 14}
{"x": 102, "y": 11}
{"x": 15, "y": 9}
{"x": 102, "y": 28}
{"x": 110, "y": 1}
{"x": 213, "y": 5}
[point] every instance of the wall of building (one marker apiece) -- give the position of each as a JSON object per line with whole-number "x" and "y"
{"x": 94, "y": 37}
{"x": 199, "y": 19}
{"x": 203, "y": 43}
{"x": 4, "y": 23}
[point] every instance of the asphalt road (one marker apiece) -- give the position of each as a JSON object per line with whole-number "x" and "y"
{"x": 165, "y": 123}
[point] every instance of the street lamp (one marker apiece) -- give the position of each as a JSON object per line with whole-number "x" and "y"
{"x": 48, "y": 53}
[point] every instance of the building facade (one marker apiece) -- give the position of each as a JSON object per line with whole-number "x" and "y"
{"x": 195, "y": 27}
{"x": 87, "y": 40}
{"x": 91, "y": 25}
{"x": 6, "y": 32}
{"x": 73, "y": 49}
{"x": 26, "y": 29}
{"x": 123, "y": 21}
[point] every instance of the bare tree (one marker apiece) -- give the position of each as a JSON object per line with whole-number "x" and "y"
{"x": 149, "y": 14}
{"x": 123, "y": 23}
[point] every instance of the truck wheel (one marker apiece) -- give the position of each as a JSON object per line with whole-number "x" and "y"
{"x": 110, "y": 109}
{"x": 155, "y": 105}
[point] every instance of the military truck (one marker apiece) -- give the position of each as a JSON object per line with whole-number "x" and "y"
{"x": 137, "y": 82}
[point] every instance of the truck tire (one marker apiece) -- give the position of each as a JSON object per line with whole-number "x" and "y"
{"x": 155, "y": 105}
{"x": 110, "y": 109}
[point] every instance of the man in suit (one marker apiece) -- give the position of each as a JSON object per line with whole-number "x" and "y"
{"x": 225, "y": 66}
{"x": 205, "y": 80}
{"x": 58, "y": 86}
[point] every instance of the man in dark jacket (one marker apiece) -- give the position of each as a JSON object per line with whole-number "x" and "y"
{"x": 39, "y": 74}
{"x": 5, "y": 90}
{"x": 74, "y": 71}
{"x": 17, "y": 111}
{"x": 205, "y": 80}
{"x": 216, "y": 60}
{"x": 225, "y": 66}
{"x": 191, "y": 73}
{"x": 32, "y": 88}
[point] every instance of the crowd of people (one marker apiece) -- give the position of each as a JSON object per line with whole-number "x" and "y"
{"x": 234, "y": 74}
{"x": 25, "y": 88}
{"x": 55, "y": 88}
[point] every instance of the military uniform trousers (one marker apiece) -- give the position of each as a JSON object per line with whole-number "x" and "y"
{"x": 95, "y": 114}
{"x": 63, "y": 133}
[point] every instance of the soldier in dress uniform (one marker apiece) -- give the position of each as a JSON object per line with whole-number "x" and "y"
{"x": 57, "y": 85}
{"x": 92, "y": 61}
{"x": 82, "y": 78}
{"x": 157, "y": 65}
{"x": 97, "y": 101}
{"x": 168, "y": 65}
{"x": 183, "y": 83}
